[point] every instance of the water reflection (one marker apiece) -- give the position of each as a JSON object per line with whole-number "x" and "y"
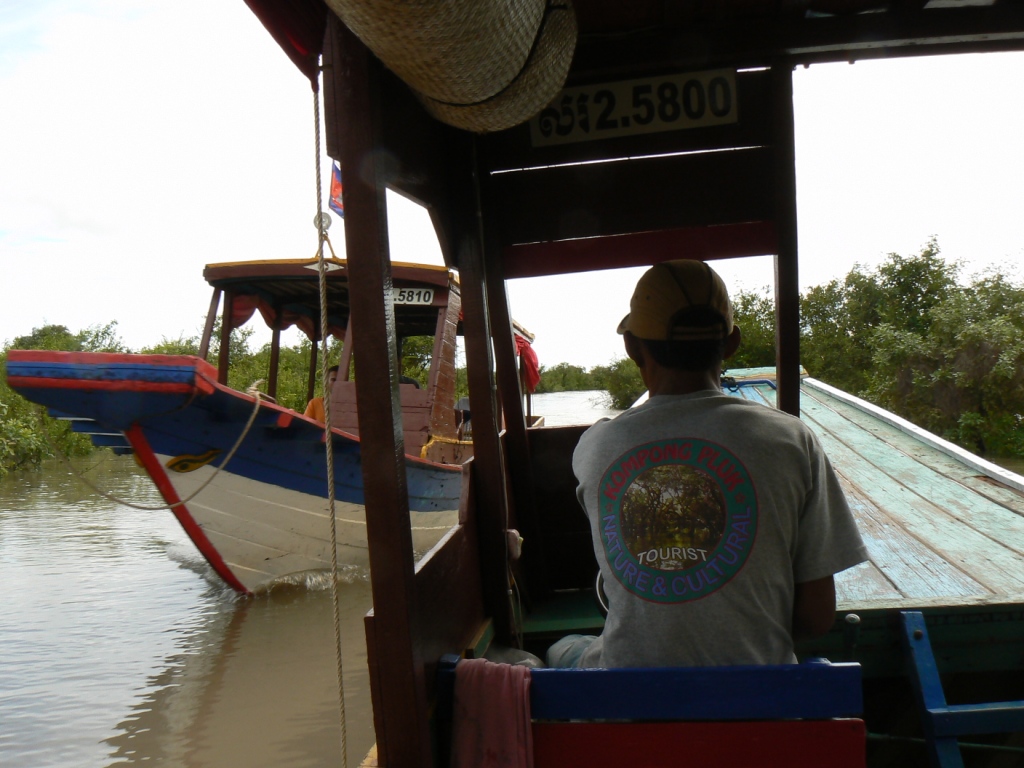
{"x": 256, "y": 686}
{"x": 116, "y": 648}
{"x": 566, "y": 408}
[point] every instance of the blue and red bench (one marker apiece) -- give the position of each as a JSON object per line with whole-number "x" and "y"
{"x": 804, "y": 715}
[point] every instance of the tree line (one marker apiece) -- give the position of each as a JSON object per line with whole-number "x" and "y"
{"x": 909, "y": 336}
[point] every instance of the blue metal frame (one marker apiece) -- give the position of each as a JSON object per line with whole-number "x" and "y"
{"x": 943, "y": 722}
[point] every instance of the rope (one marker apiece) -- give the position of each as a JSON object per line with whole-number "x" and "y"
{"x": 248, "y": 425}
{"x": 443, "y": 440}
{"x": 328, "y": 441}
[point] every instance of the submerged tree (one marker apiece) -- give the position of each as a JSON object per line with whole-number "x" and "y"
{"x": 622, "y": 381}
{"x": 27, "y": 435}
{"x": 959, "y": 371}
{"x": 565, "y": 377}
{"x": 754, "y": 314}
{"x": 841, "y": 321}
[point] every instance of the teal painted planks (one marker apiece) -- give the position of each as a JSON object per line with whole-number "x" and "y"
{"x": 981, "y": 513}
{"x": 939, "y": 513}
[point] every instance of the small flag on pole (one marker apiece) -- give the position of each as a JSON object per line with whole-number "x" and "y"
{"x": 336, "y": 202}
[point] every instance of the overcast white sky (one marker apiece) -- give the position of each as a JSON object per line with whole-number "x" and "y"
{"x": 142, "y": 139}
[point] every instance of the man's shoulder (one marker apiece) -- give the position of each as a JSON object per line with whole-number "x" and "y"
{"x": 767, "y": 419}
{"x": 719, "y": 401}
{"x": 719, "y": 414}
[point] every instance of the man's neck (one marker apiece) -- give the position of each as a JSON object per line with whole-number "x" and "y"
{"x": 665, "y": 381}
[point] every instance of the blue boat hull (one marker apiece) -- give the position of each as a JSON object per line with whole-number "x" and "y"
{"x": 263, "y": 515}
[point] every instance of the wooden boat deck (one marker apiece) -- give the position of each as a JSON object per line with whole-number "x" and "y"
{"x": 942, "y": 527}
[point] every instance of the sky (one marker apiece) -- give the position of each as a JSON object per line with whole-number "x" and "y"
{"x": 143, "y": 139}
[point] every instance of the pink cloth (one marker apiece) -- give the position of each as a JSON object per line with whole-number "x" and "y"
{"x": 491, "y": 716}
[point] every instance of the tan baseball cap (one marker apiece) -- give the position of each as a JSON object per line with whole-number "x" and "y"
{"x": 670, "y": 287}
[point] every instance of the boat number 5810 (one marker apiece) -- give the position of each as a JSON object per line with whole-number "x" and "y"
{"x": 414, "y": 295}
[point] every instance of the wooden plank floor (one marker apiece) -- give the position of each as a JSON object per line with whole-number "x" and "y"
{"x": 940, "y": 528}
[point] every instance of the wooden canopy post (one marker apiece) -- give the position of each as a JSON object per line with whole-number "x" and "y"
{"x": 211, "y": 319}
{"x": 223, "y": 358}
{"x": 352, "y": 80}
{"x": 488, "y": 456}
{"x": 275, "y": 358}
{"x": 314, "y": 353}
{"x": 345, "y": 363}
{"x": 787, "y": 283}
{"x": 510, "y": 387}
{"x": 435, "y": 352}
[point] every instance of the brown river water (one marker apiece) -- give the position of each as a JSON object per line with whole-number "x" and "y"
{"x": 119, "y": 647}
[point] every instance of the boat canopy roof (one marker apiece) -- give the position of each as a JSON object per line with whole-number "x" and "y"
{"x": 737, "y": 33}
{"x": 286, "y": 293}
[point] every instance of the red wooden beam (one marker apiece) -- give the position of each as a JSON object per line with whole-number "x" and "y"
{"x": 752, "y": 238}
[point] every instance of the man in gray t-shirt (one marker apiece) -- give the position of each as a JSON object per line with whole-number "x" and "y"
{"x": 718, "y": 523}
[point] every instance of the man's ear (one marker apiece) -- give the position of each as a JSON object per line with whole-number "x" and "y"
{"x": 732, "y": 343}
{"x": 634, "y": 349}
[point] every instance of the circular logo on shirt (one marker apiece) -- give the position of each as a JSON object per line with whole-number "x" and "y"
{"x": 678, "y": 519}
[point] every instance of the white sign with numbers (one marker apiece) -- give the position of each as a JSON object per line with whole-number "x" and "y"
{"x": 630, "y": 107}
{"x": 414, "y": 295}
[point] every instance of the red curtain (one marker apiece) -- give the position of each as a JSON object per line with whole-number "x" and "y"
{"x": 530, "y": 365}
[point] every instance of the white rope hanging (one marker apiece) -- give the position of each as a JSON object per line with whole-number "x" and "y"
{"x": 321, "y": 225}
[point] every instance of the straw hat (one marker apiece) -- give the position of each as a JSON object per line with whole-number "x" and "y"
{"x": 481, "y": 65}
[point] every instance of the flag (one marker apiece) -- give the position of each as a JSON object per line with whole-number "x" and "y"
{"x": 336, "y": 202}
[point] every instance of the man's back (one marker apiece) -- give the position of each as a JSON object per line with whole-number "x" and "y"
{"x": 706, "y": 510}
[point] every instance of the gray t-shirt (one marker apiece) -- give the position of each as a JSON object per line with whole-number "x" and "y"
{"x": 705, "y": 511}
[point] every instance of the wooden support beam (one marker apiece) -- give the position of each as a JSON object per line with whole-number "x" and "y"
{"x": 523, "y": 514}
{"x": 728, "y": 241}
{"x": 275, "y": 358}
{"x": 314, "y": 353}
{"x": 488, "y": 457}
{"x": 353, "y": 87}
{"x": 787, "y": 283}
{"x": 211, "y": 319}
{"x": 345, "y": 363}
{"x": 435, "y": 352}
{"x": 223, "y": 358}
